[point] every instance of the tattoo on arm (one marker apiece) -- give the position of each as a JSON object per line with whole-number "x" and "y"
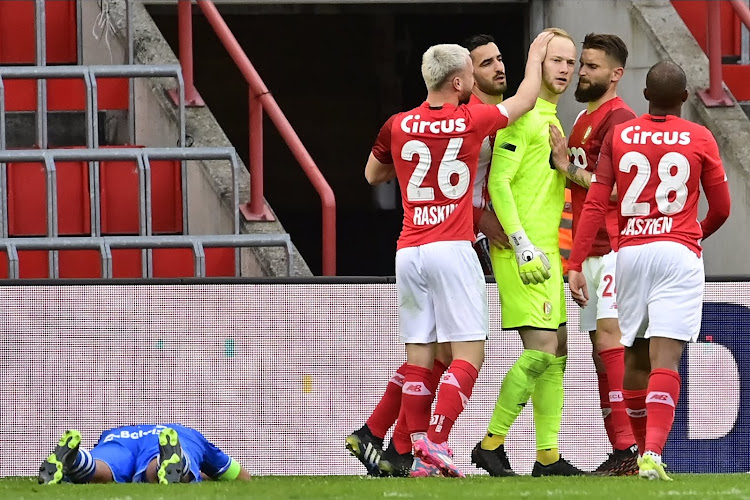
{"x": 580, "y": 176}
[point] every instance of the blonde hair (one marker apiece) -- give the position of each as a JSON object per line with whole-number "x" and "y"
{"x": 559, "y": 32}
{"x": 440, "y": 62}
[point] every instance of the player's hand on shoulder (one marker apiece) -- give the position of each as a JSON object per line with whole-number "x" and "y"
{"x": 578, "y": 289}
{"x": 491, "y": 228}
{"x": 559, "y": 149}
{"x": 533, "y": 264}
{"x": 538, "y": 48}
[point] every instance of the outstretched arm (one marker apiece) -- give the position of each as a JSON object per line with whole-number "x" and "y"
{"x": 525, "y": 97}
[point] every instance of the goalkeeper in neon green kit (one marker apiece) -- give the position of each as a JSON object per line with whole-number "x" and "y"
{"x": 528, "y": 198}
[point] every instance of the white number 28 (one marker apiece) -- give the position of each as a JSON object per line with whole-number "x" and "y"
{"x": 670, "y": 183}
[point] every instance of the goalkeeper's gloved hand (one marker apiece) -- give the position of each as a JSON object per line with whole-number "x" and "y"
{"x": 533, "y": 264}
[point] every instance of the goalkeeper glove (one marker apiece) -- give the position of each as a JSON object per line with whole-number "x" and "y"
{"x": 533, "y": 264}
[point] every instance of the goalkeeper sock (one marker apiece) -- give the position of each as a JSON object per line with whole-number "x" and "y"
{"x": 417, "y": 398}
{"x": 614, "y": 361}
{"x": 635, "y": 401}
{"x": 83, "y": 467}
{"x": 516, "y": 388}
{"x": 492, "y": 441}
{"x": 548, "y": 403}
{"x": 609, "y": 425}
{"x": 455, "y": 392}
{"x": 387, "y": 410}
{"x": 547, "y": 457}
{"x": 663, "y": 393}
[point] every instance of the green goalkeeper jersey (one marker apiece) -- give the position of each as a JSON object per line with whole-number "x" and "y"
{"x": 525, "y": 192}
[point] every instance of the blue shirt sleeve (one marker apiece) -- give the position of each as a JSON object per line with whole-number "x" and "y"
{"x": 215, "y": 462}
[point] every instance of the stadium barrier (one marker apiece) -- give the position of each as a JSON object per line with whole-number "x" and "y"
{"x": 277, "y": 374}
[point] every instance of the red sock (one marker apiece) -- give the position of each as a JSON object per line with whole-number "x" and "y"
{"x": 385, "y": 413}
{"x": 416, "y": 398}
{"x": 455, "y": 391}
{"x": 635, "y": 401}
{"x": 609, "y": 425}
{"x": 614, "y": 363}
{"x": 401, "y": 436}
{"x": 438, "y": 368}
{"x": 663, "y": 393}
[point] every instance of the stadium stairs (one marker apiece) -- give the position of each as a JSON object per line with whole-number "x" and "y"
{"x": 79, "y": 197}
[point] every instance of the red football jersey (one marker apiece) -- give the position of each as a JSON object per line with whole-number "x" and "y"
{"x": 584, "y": 143}
{"x": 659, "y": 164}
{"x": 435, "y": 153}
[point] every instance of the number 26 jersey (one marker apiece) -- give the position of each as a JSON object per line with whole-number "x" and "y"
{"x": 435, "y": 151}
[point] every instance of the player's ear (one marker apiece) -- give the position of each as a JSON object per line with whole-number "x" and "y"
{"x": 617, "y": 74}
{"x": 684, "y": 95}
{"x": 645, "y": 94}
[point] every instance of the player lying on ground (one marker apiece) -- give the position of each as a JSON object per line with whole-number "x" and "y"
{"x": 149, "y": 453}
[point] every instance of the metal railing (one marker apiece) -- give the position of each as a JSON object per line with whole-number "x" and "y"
{"x": 142, "y": 158}
{"x": 261, "y": 101}
{"x": 89, "y": 74}
{"x": 105, "y": 245}
{"x": 716, "y": 95}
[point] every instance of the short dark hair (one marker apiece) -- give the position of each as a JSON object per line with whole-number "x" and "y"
{"x": 475, "y": 41}
{"x": 612, "y": 45}
{"x": 666, "y": 83}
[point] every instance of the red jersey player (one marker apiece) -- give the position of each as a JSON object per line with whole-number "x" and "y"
{"x": 659, "y": 162}
{"x": 602, "y": 65}
{"x": 489, "y": 87}
{"x": 433, "y": 150}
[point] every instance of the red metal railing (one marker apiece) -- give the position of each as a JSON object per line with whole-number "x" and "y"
{"x": 260, "y": 100}
{"x": 715, "y": 95}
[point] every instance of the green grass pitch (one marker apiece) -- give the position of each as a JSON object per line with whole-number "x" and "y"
{"x": 694, "y": 486}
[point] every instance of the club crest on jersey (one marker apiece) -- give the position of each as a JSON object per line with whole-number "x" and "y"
{"x": 586, "y": 134}
{"x": 547, "y": 309}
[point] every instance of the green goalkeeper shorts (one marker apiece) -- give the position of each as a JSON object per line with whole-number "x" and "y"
{"x": 536, "y": 306}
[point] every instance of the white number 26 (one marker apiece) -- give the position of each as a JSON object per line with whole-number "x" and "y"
{"x": 449, "y": 165}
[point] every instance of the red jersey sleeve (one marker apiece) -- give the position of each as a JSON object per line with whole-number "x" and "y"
{"x": 714, "y": 182}
{"x": 597, "y": 199}
{"x": 712, "y": 171}
{"x": 489, "y": 118}
{"x": 382, "y": 148}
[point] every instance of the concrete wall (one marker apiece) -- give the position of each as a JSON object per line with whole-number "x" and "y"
{"x": 210, "y": 205}
{"x": 653, "y": 31}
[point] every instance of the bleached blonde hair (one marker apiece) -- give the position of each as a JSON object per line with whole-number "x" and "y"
{"x": 440, "y": 62}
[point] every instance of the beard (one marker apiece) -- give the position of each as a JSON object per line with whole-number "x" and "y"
{"x": 492, "y": 88}
{"x": 591, "y": 93}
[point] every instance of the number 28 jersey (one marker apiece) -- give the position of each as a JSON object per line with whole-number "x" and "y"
{"x": 659, "y": 163}
{"x": 435, "y": 151}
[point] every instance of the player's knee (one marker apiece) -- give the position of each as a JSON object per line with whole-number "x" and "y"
{"x": 607, "y": 335}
